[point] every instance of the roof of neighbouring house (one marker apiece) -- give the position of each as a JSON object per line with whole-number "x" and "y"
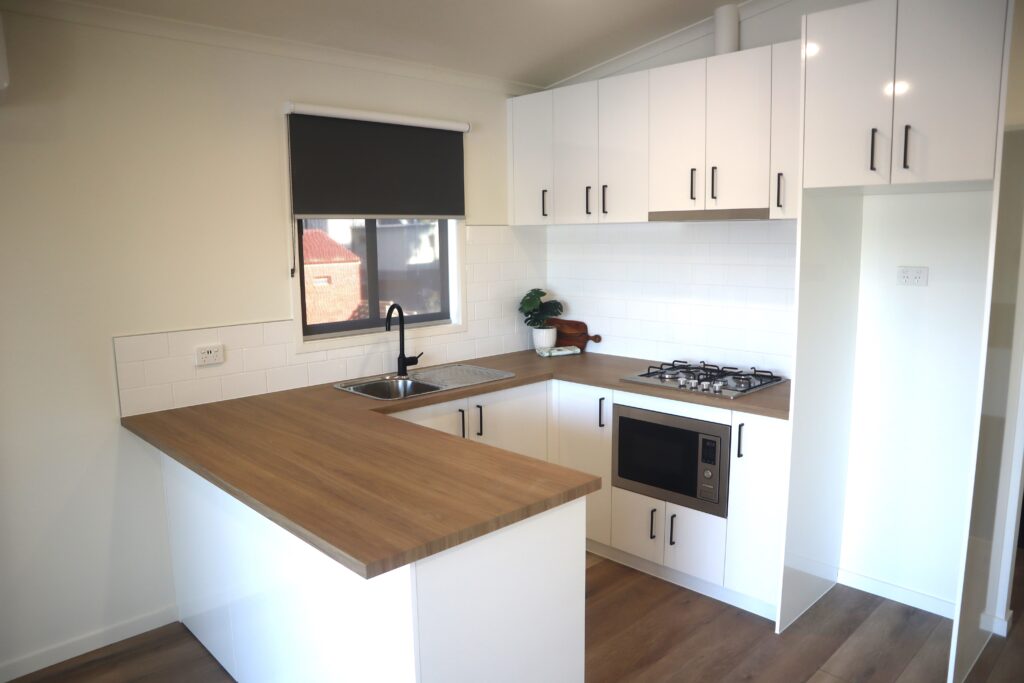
{"x": 318, "y": 247}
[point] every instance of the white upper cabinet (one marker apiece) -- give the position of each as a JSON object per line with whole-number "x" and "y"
{"x": 738, "y": 129}
{"x": 532, "y": 162}
{"x": 677, "y": 116}
{"x": 758, "y": 479}
{"x": 585, "y": 444}
{"x": 784, "y": 187}
{"x": 623, "y": 148}
{"x": 847, "y": 111}
{"x": 949, "y": 56}
{"x": 575, "y": 154}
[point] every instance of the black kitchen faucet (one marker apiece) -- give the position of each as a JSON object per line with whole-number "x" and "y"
{"x": 403, "y": 361}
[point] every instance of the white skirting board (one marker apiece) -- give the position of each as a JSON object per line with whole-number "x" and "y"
{"x": 41, "y": 659}
{"x": 928, "y": 603}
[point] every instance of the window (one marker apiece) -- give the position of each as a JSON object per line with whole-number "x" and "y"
{"x": 352, "y": 270}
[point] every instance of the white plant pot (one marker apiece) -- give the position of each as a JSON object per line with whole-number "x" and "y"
{"x": 544, "y": 337}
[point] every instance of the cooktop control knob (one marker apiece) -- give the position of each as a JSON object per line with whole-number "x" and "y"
{"x": 692, "y": 384}
{"x": 717, "y": 386}
{"x": 705, "y": 386}
{"x": 707, "y": 474}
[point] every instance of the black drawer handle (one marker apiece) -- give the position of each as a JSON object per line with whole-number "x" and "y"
{"x": 653, "y": 511}
{"x": 672, "y": 530}
{"x": 778, "y": 191}
{"x": 693, "y": 184}
{"x": 604, "y": 199}
{"x": 462, "y": 417}
{"x": 481, "y": 409}
{"x": 874, "y": 134}
{"x": 714, "y": 182}
{"x": 906, "y": 146}
{"x": 739, "y": 445}
{"x": 586, "y": 200}
{"x": 600, "y": 412}
{"x": 543, "y": 202}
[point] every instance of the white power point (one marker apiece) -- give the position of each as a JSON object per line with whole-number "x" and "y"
{"x": 912, "y": 276}
{"x": 211, "y": 354}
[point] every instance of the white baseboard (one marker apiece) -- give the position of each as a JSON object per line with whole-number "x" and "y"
{"x": 999, "y": 626}
{"x": 711, "y": 590}
{"x": 53, "y": 654}
{"x": 929, "y": 603}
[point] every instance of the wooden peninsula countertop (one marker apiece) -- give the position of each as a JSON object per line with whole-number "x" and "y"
{"x": 374, "y": 492}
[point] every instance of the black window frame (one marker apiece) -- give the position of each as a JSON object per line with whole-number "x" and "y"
{"x": 375, "y": 321}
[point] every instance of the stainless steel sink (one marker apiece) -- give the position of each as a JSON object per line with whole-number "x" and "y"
{"x": 389, "y": 388}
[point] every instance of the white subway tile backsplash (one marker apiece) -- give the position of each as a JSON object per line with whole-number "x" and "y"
{"x": 280, "y": 332}
{"x": 168, "y": 370}
{"x": 131, "y": 375}
{"x": 196, "y": 391}
{"x": 184, "y": 343}
{"x": 140, "y": 347}
{"x": 294, "y": 358}
{"x": 244, "y": 384}
{"x": 370, "y": 364}
{"x": 241, "y": 336}
{"x": 288, "y": 377}
{"x": 323, "y": 372}
{"x": 146, "y": 399}
{"x": 263, "y": 357}
{"x": 233, "y": 364}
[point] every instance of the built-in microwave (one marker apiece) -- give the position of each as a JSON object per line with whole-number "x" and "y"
{"x": 676, "y": 459}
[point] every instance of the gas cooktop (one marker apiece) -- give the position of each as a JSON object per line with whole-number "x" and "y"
{"x": 705, "y": 378}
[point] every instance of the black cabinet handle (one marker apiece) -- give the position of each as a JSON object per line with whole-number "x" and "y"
{"x": 906, "y": 146}
{"x": 653, "y": 511}
{"x": 739, "y": 446}
{"x": 481, "y": 409}
{"x": 874, "y": 134}
{"x": 543, "y": 202}
{"x": 778, "y": 191}
{"x": 672, "y": 530}
{"x": 586, "y": 200}
{"x": 600, "y": 412}
{"x": 462, "y": 417}
{"x": 693, "y": 184}
{"x": 604, "y": 199}
{"x": 714, "y": 182}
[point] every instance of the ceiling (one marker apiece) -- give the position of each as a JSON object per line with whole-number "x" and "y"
{"x": 535, "y": 42}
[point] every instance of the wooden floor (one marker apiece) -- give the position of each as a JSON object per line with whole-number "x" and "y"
{"x": 640, "y": 628}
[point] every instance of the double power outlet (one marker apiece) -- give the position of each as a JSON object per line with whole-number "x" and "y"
{"x": 211, "y": 354}
{"x": 912, "y": 276}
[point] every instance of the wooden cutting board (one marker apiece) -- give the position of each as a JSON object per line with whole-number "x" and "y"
{"x": 573, "y": 333}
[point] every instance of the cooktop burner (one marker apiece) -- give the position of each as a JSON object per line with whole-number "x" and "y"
{"x": 707, "y": 378}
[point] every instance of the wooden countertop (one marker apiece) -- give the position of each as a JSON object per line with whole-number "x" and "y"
{"x": 376, "y": 493}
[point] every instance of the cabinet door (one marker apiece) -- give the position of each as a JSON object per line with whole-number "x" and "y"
{"x": 739, "y": 129}
{"x": 450, "y": 417}
{"x": 676, "y": 147}
{"x": 514, "y": 419}
{"x": 622, "y": 148}
{"x": 532, "y": 169}
{"x": 949, "y": 56}
{"x": 575, "y": 162}
{"x": 758, "y": 491}
{"x": 695, "y": 543}
{"x": 585, "y": 444}
{"x": 849, "y": 61}
{"x": 638, "y": 524}
{"x": 784, "y": 187}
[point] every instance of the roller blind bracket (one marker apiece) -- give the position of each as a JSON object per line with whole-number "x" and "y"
{"x": 376, "y": 117}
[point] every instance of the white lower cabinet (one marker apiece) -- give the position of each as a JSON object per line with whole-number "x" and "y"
{"x": 695, "y": 543}
{"x": 758, "y": 477}
{"x": 585, "y": 444}
{"x": 638, "y": 524}
{"x": 513, "y": 419}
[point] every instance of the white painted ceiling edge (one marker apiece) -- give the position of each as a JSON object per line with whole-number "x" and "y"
{"x": 5, "y": 72}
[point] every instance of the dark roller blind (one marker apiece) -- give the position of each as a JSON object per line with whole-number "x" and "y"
{"x": 364, "y": 168}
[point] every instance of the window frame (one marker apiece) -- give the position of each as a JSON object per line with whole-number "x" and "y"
{"x": 375, "y": 322}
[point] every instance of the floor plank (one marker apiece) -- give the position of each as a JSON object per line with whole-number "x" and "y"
{"x": 882, "y": 647}
{"x": 932, "y": 660}
{"x": 164, "y": 655}
{"x": 1009, "y": 666}
{"x": 823, "y": 677}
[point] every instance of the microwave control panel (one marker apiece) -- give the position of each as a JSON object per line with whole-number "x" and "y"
{"x": 707, "y": 480}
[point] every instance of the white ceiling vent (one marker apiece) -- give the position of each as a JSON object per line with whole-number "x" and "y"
{"x": 727, "y": 29}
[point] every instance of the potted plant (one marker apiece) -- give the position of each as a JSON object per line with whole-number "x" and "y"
{"x": 537, "y": 313}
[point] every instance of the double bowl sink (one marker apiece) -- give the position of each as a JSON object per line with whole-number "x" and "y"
{"x": 419, "y": 382}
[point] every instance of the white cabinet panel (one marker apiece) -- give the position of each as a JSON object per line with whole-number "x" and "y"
{"x": 695, "y": 543}
{"x": 849, "y": 62}
{"x": 677, "y": 132}
{"x": 738, "y": 129}
{"x": 585, "y": 444}
{"x": 575, "y": 154}
{"x": 758, "y": 476}
{"x": 532, "y": 170}
{"x": 513, "y": 419}
{"x": 623, "y": 148}
{"x": 638, "y": 525}
{"x": 949, "y": 56}
{"x": 449, "y": 417}
{"x": 785, "y": 148}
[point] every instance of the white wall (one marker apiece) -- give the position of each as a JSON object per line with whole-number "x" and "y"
{"x": 915, "y": 392}
{"x": 721, "y": 292}
{"x": 143, "y": 189}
